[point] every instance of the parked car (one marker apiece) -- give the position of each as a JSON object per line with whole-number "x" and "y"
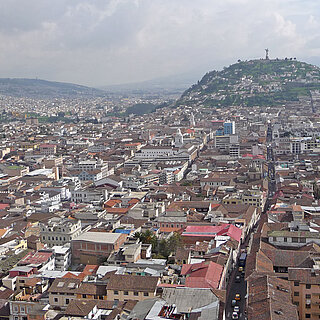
{"x": 235, "y": 315}
{"x": 233, "y": 302}
{"x": 237, "y": 297}
{"x": 238, "y": 279}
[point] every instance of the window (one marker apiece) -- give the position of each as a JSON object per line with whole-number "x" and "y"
{"x": 296, "y": 294}
{"x": 146, "y": 294}
{"x": 308, "y": 296}
{"x": 15, "y": 309}
{"x": 116, "y": 292}
{"x": 67, "y": 301}
{"x": 308, "y": 286}
{"x": 308, "y": 315}
{"x": 55, "y": 299}
{"x": 303, "y": 240}
{"x": 84, "y": 296}
{"x": 126, "y": 293}
{"x": 296, "y": 303}
{"x": 296, "y": 283}
{"x": 135, "y": 293}
{"x": 285, "y": 239}
{"x": 308, "y": 306}
{"x": 295, "y": 239}
{"x": 274, "y": 239}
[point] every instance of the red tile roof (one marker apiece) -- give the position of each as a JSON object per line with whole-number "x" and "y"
{"x": 213, "y": 231}
{"x": 202, "y": 275}
{"x": 4, "y": 206}
{"x": 35, "y": 258}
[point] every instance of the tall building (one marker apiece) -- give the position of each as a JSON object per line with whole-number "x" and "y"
{"x": 229, "y": 127}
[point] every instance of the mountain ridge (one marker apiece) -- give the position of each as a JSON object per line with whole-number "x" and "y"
{"x": 38, "y": 88}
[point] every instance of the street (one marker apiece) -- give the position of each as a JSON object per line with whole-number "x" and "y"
{"x": 241, "y": 287}
{"x": 236, "y": 287}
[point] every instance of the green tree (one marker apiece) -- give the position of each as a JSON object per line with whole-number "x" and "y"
{"x": 147, "y": 237}
{"x": 166, "y": 247}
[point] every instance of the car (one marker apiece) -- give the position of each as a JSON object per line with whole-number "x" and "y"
{"x": 233, "y": 302}
{"x": 235, "y": 315}
{"x": 237, "y": 297}
{"x": 240, "y": 269}
{"x": 236, "y": 309}
{"x": 238, "y": 279}
{"x": 242, "y": 274}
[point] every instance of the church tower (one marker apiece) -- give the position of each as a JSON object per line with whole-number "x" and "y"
{"x": 192, "y": 122}
{"x": 178, "y": 139}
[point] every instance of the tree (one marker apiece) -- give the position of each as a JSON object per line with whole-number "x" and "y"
{"x": 163, "y": 248}
{"x": 166, "y": 247}
{"x": 147, "y": 237}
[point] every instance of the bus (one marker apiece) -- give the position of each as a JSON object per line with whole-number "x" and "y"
{"x": 242, "y": 259}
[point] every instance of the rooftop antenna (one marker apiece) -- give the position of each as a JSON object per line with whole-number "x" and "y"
{"x": 267, "y": 54}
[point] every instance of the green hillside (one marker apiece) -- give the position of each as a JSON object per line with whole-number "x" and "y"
{"x": 255, "y": 82}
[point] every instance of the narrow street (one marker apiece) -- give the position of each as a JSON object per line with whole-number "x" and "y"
{"x": 240, "y": 287}
{"x": 234, "y": 288}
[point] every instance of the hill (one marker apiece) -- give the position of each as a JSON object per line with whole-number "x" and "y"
{"x": 255, "y": 82}
{"x": 35, "y": 88}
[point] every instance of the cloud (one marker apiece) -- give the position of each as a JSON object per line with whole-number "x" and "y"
{"x": 99, "y": 42}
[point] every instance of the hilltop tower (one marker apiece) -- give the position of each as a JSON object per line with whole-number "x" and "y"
{"x": 267, "y": 53}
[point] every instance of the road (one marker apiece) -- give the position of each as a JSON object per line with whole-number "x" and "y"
{"x": 241, "y": 287}
{"x": 235, "y": 288}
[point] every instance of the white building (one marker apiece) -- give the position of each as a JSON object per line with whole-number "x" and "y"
{"x": 59, "y": 231}
{"x": 62, "y": 257}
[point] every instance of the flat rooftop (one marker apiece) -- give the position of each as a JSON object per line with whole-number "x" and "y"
{"x": 100, "y": 237}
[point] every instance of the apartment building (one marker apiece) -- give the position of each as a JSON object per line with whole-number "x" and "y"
{"x": 131, "y": 287}
{"x": 48, "y": 149}
{"x": 62, "y": 291}
{"x": 306, "y": 291}
{"x": 62, "y": 257}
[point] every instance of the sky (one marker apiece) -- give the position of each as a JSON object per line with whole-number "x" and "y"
{"x": 105, "y": 42}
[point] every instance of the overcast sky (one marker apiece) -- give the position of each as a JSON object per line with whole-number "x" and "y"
{"x": 102, "y": 42}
